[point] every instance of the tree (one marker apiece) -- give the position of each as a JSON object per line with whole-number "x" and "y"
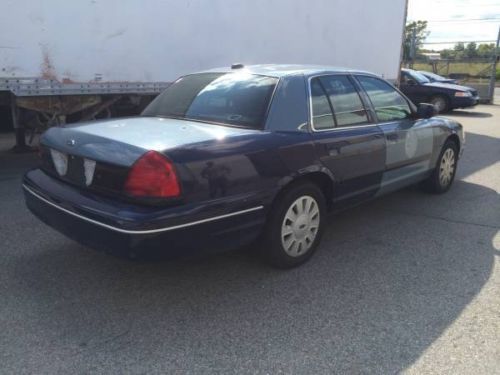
{"x": 459, "y": 47}
{"x": 421, "y": 33}
{"x": 471, "y": 50}
{"x": 486, "y": 50}
{"x": 459, "y": 50}
{"x": 447, "y": 54}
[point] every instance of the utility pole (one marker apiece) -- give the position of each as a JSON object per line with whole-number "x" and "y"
{"x": 491, "y": 91}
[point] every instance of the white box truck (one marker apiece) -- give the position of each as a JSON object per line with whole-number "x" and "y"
{"x": 63, "y": 60}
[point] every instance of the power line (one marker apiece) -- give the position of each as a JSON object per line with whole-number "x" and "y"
{"x": 462, "y": 41}
{"x": 488, "y": 19}
{"x": 466, "y": 20}
{"x": 475, "y": 5}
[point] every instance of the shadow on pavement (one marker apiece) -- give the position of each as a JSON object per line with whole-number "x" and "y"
{"x": 385, "y": 284}
{"x": 470, "y": 114}
{"x": 387, "y": 281}
{"x": 480, "y": 152}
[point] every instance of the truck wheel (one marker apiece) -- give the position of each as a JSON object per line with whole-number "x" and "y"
{"x": 440, "y": 103}
{"x": 295, "y": 226}
{"x": 442, "y": 177}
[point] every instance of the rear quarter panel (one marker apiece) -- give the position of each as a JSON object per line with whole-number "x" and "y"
{"x": 252, "y": 166}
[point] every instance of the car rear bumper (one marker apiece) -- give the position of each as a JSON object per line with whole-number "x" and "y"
{"x": 130, "y": 230}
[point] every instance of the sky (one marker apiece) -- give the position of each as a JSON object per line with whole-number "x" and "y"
{"x": 456, "y": 20}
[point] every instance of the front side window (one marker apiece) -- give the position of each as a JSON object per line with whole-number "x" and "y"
{"x": 239, "y": 99}
{"x": 406, "y": 79}
{"x": 388, "y": 103}
{"x": 344, "y": 98}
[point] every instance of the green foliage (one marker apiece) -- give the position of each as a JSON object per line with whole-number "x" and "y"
{"x": 486, "y": 50}
{"x": 497, "y": 75}
{"x": 421, "y": 33}
{"x": 471, "y": 50}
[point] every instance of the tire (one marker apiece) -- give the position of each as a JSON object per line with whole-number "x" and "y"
{"x": 443, "y": 175}
{"x": 295, "y": 226}
{"x": 441, "y": 103}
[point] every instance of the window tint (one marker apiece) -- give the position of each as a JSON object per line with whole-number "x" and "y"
{"x": 321, "y": 111}
{"x": 389, "y": 104}
{"x": 405, "y": 78}
{"x": 347, "y": 106}
{"x": 233, "y": 98}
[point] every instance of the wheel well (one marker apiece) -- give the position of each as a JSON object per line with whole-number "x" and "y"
{"x": 322, "y": 180}
{"x": 454, "y": 138}
{"x": 441, "y": 95}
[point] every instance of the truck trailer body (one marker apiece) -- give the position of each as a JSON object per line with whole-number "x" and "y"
{"x": 58, "y": 57}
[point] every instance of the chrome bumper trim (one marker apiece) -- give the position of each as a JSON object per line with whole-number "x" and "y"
{"x": 150, "y": 231}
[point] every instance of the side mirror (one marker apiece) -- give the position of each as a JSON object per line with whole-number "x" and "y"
{"x": 411, "y": 82}
{"x": 425, "y": 110}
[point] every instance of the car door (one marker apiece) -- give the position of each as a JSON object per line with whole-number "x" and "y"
{"x": 414, "y": 90}
{"x": 409, "y": 141}
{"x": 346, "y": 138}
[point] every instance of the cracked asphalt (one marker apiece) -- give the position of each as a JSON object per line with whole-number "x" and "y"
{"x": 406, "y": 283}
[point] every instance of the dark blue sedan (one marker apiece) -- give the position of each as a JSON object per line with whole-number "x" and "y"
{"x": 226, "y": 157}
{"x": 444, "y": 96}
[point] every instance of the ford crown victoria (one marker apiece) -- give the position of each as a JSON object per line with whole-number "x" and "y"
{"x": 230, "y": 156}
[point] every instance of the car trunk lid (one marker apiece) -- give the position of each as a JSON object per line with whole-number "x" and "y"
{"x": 99, "y": 155}
{"x": 123, "y": 141}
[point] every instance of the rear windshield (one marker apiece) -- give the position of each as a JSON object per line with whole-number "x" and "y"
{"x": 239, "y": 99}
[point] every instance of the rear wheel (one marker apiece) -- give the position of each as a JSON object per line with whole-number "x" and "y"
{"x": 440, "y": 103}
{"x": 443, "y": 175}
{"x": 295, "y": 226}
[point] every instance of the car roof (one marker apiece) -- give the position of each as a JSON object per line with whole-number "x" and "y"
{"x": 280, "y": 70}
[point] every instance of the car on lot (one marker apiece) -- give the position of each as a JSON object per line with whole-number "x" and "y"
{"x": 433, "y": 77}
{"x": 444, "y": 96}
{"x": 230, "y": 156}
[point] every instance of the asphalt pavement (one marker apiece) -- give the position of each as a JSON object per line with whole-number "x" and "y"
{"x": 406, "y": 283}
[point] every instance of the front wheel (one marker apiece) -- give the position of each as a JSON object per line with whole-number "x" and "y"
{"x": 443, "y": 175}
{"x": 295, "y": 226}
{"x": 440, "y": 104}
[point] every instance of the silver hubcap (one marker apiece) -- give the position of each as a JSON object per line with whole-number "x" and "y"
{"x": 439, "y": 104}
{"x": 300, "y": 226}
{"x": 447, "y": 167}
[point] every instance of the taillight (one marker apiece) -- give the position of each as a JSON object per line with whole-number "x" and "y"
{"x": 153, "y": 176}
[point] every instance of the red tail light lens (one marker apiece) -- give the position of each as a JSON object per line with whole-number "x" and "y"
{"x": 153, "y": 176}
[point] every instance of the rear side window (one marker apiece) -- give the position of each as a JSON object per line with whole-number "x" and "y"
{"x": 336, "y": 102}
{"x": 347, "y": 106}
{"x": 322, "y": 116}
{"x": 388, "y": 103}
